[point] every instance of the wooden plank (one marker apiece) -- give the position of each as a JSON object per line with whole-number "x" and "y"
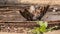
{"x": 11, "y": 16}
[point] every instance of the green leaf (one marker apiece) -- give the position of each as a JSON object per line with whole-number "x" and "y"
{"x": 46, "y": 24}
{"x": 42, "y": 28}
{"x": 36, "y": 29}
{"x": 41, "y": 23}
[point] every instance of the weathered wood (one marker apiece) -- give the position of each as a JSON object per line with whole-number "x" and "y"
{"x": 6, "y": 16}
{"x": 51, "y": 15}
{"x": 51, "y": 2}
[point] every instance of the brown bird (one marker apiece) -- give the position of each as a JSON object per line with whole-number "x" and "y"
{"x": 34, "y": 13}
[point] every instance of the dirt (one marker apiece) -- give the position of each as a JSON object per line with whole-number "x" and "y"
{"x": 51, "y": 2}
{"x": 53, "y": 32}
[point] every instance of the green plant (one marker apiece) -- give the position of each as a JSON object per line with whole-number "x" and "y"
{"x": 43, "y": 28}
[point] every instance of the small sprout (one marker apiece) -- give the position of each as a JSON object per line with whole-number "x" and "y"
{"x": 43, "y": 28}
